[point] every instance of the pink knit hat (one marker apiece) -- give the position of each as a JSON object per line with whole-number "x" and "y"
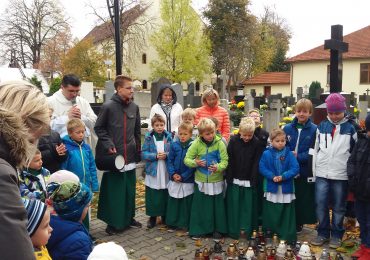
{"x": 335, "y": 102}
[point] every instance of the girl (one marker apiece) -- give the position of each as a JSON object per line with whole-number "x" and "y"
{"x": 155, "y": 149}
{"x": 209, "y": 156}
{"x": 279, "y": 166}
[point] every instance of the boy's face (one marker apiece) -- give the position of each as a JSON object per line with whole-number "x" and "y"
{"x": 208, "y": 135}
{"x": 43, "y": 232}
{"x": 77, "y": 134}
{"x": 36, "y": 162}
{"x": 188, "y": 119}
{"x": 126, "y": 91}
{"x": 246, "y": 136}
{"x": 158, "y": 127}
{"x": 184, "y": 135}
{"x": 302, "y": 115}
{"x": 279, "y": 142}
{"x": 336, "y": 116}
{"x": 256, "y": 117}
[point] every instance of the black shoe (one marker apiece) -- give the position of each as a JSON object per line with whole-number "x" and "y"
{"x": 299, "y": 229}
{"x": 151, "y": 222}
{"x": 110, "y": 230}
{"x": 135, "y": 224}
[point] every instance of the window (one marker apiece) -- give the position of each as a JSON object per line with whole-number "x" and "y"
{"x": 143, "y": 58}
{"x": 145, "y": 84}
{"x": 365, "y": 73}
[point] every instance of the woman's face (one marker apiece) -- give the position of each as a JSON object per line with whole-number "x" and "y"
{"x": 167, "y": 96}
{"x": 211, "y": 100}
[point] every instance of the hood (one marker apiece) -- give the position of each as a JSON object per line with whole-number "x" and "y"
{"x": 150, "y": 134}
{"x": 118, "y": 99}
{"x": 345, "y": 119}
{"x": 161, "y": 90}
{"x": 69, "y": 141}
{"x": 62, "y": 229}
{"x": 14, "y": 145}
{"x": 306, "y": 125}
{"x": 216, "y": 139}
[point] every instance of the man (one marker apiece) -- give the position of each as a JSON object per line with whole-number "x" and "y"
{"x": 118, "y": 131}
{"x": 67, "y": 104}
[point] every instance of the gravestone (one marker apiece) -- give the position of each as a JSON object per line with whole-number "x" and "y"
{"x": 258, "y": 101}
{"x": 109, "y": 90}
{"x": 248, "y": 103}
{"x": 224, "y": 103}
{"x": 179, "y": 93}
{"x": 143, "y": 100}
{"x": 191, "y": 89}
{"x": 299, "y": 93}
{"x": 156, "y": 86}
{"x": 290, "y": 101}
{"x": 253, "y": 92}
{"x": 272, "y": 116}
{"x": 353, "y": 99}
{"x": 362, "y": 106}
{"x": 191, "y": 100}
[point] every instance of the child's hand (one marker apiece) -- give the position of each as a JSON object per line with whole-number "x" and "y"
{"x": 212, "y": 168}
{"x": 277, "y": 179}
{"x": 112, "y": 150}
{"x": 61, "y": 149}
{"x": 177, "y": 177}
{"x": 161, "y": 156}
{"x": 201, "y": 163}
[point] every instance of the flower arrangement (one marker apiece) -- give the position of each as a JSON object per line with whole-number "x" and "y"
{"x": 236, "y": 112}
{"x": 263, "y": 107}
{"x": 356, "y": 112}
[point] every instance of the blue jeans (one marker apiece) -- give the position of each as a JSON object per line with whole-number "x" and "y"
{"x": 334, "y": 193}
{"x": 362, "y": 210}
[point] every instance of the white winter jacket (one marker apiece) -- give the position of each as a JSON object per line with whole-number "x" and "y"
{"x": 175, "y": 116}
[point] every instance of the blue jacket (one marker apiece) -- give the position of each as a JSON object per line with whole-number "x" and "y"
{"x": 278, "y": 163}
{"x": 305, "y": 142}
{"x": 175, "y": 162}
{"x": 81, "y": 162}
{"x": 69, "y": 240}
{"x": 149, "y": 151}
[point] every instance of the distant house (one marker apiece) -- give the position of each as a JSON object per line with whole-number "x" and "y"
{"x": 314, "y": 65}
{"x": 268, "y": 83}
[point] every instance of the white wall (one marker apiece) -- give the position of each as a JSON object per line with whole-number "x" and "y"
{"x": 284, "y": 89}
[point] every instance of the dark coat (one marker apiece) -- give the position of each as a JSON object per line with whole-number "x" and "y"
{"x": 262, "y": 136}
{"x": 243, "y": 159}
{"x": 358, "y": 169}
{"x": 51, "y": 160}
{"x": 118, "y": 125}
{"x": 69, "y": 240}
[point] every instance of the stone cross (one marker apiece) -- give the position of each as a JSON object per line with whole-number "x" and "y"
{"x": 367, "y": 91}
{"x": 337, "y": 47}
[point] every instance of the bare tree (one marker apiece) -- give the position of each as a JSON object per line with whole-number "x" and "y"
{"x": 135, "y": 24}
{"x": 27, "y": 25}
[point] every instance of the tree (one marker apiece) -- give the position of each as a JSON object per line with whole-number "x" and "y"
{"x": 86, "y": 62}
{"x": 55, "y": 85}
{"x": 231, "y": 30}
{"x": 315, "y": 85}
{"x": 54, "y": 51}
{"x": 35, "y": 81}
{"x": 183, "y": 49}
{"x": 27, "y": 25}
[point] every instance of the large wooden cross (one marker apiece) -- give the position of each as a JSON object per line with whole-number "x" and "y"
{"x": 337, "y": 47}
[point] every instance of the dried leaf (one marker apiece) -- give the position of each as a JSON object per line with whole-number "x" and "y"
{"x": 167, "y": 248}
{"x": 144, "y": 258}
{"x": 181, "y": 233}
{"x": 131, "y": 251}
{"x": 180, "y": 245}
{"x": 342, "y": 250}
{"x": 158, "y": 239}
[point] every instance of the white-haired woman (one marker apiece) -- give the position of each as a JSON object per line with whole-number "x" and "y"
{"x": 24, "y": 116}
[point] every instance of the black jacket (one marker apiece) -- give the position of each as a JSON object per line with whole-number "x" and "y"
{"x": 243, "y": 159}
{"x": 262, "y": 136}
{"x": 118, "y": 125}
{"x": 358, "y": 169}
{"x": 47, "y": 146}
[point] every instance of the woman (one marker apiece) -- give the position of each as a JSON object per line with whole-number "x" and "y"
{"x": 167, "y": 107}
{"x": 24, "y": 116}
{"x": 211, "y": 108}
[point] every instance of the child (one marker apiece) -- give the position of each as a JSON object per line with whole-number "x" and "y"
{"x": 300, "y": 137}
{"x": 70, "y": 239}
{"x": 358, "y": 179}
{"x": 38, "y": 227}
{"x": 217, "y": 124}
{"x": 260, "y": 133}
{"x": 279, "y": 166}
{"x": 209, "y": 156}
{"x": 244, "y": 153}
{"x": 52, "y": 149}
{"x": 335, "y": 140}
{"x": 188, "y": 116}
{"x": 33, "y": 179}
{"x": 155, "y": 149}
{"x": 181, "y": 184}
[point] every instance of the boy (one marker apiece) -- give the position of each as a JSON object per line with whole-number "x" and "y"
{"x": 209, "y": 156}
{"x": 181, "y": 184}
{"x": 38, "y": 227}
{"x": 33, "y": 179}
{"x": 80, "y": 158}
{"x": 188, "y": 116}
{"x": 335, "y": 140}
{"x": 358, "y": 169}
{"x": 300, "y": 137}
{"x": 70, "y": 239}
{"x": 155, "y": 149}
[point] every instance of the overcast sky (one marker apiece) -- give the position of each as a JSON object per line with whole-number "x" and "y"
{"x": 309, "y": 21}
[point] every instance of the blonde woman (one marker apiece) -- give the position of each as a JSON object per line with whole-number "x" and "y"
{"x": 24, "y": 116}
{"x": 211, "y": 108}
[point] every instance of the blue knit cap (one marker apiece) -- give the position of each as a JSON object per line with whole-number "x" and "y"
{"x": 35, "y": 213}
{"x": 69, "y": 199}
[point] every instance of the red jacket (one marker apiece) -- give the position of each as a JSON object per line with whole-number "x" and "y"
{"x": 220, "y": 114}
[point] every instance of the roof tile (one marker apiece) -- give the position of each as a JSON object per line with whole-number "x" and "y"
{"x": 268, "y": 78}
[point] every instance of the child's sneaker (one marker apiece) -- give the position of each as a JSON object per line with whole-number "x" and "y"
{"x": 135, "y": 224}
{"x": 151, "y": 222}
{"x": 319, "y": 241}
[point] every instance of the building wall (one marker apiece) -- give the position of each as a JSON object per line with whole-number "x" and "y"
{"x": 284, "y": 89}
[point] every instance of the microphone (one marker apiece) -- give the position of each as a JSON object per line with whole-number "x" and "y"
{"x": 73, "y": 101}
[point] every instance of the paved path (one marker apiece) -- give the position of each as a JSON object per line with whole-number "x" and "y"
{"x": 157, "y": 243}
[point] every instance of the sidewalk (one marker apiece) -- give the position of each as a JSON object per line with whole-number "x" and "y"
{"x": 158, "y": 243}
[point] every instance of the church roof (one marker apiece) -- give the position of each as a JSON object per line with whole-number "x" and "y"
{"x": 358, "y": 48}
{"x": 268, "y": 78}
